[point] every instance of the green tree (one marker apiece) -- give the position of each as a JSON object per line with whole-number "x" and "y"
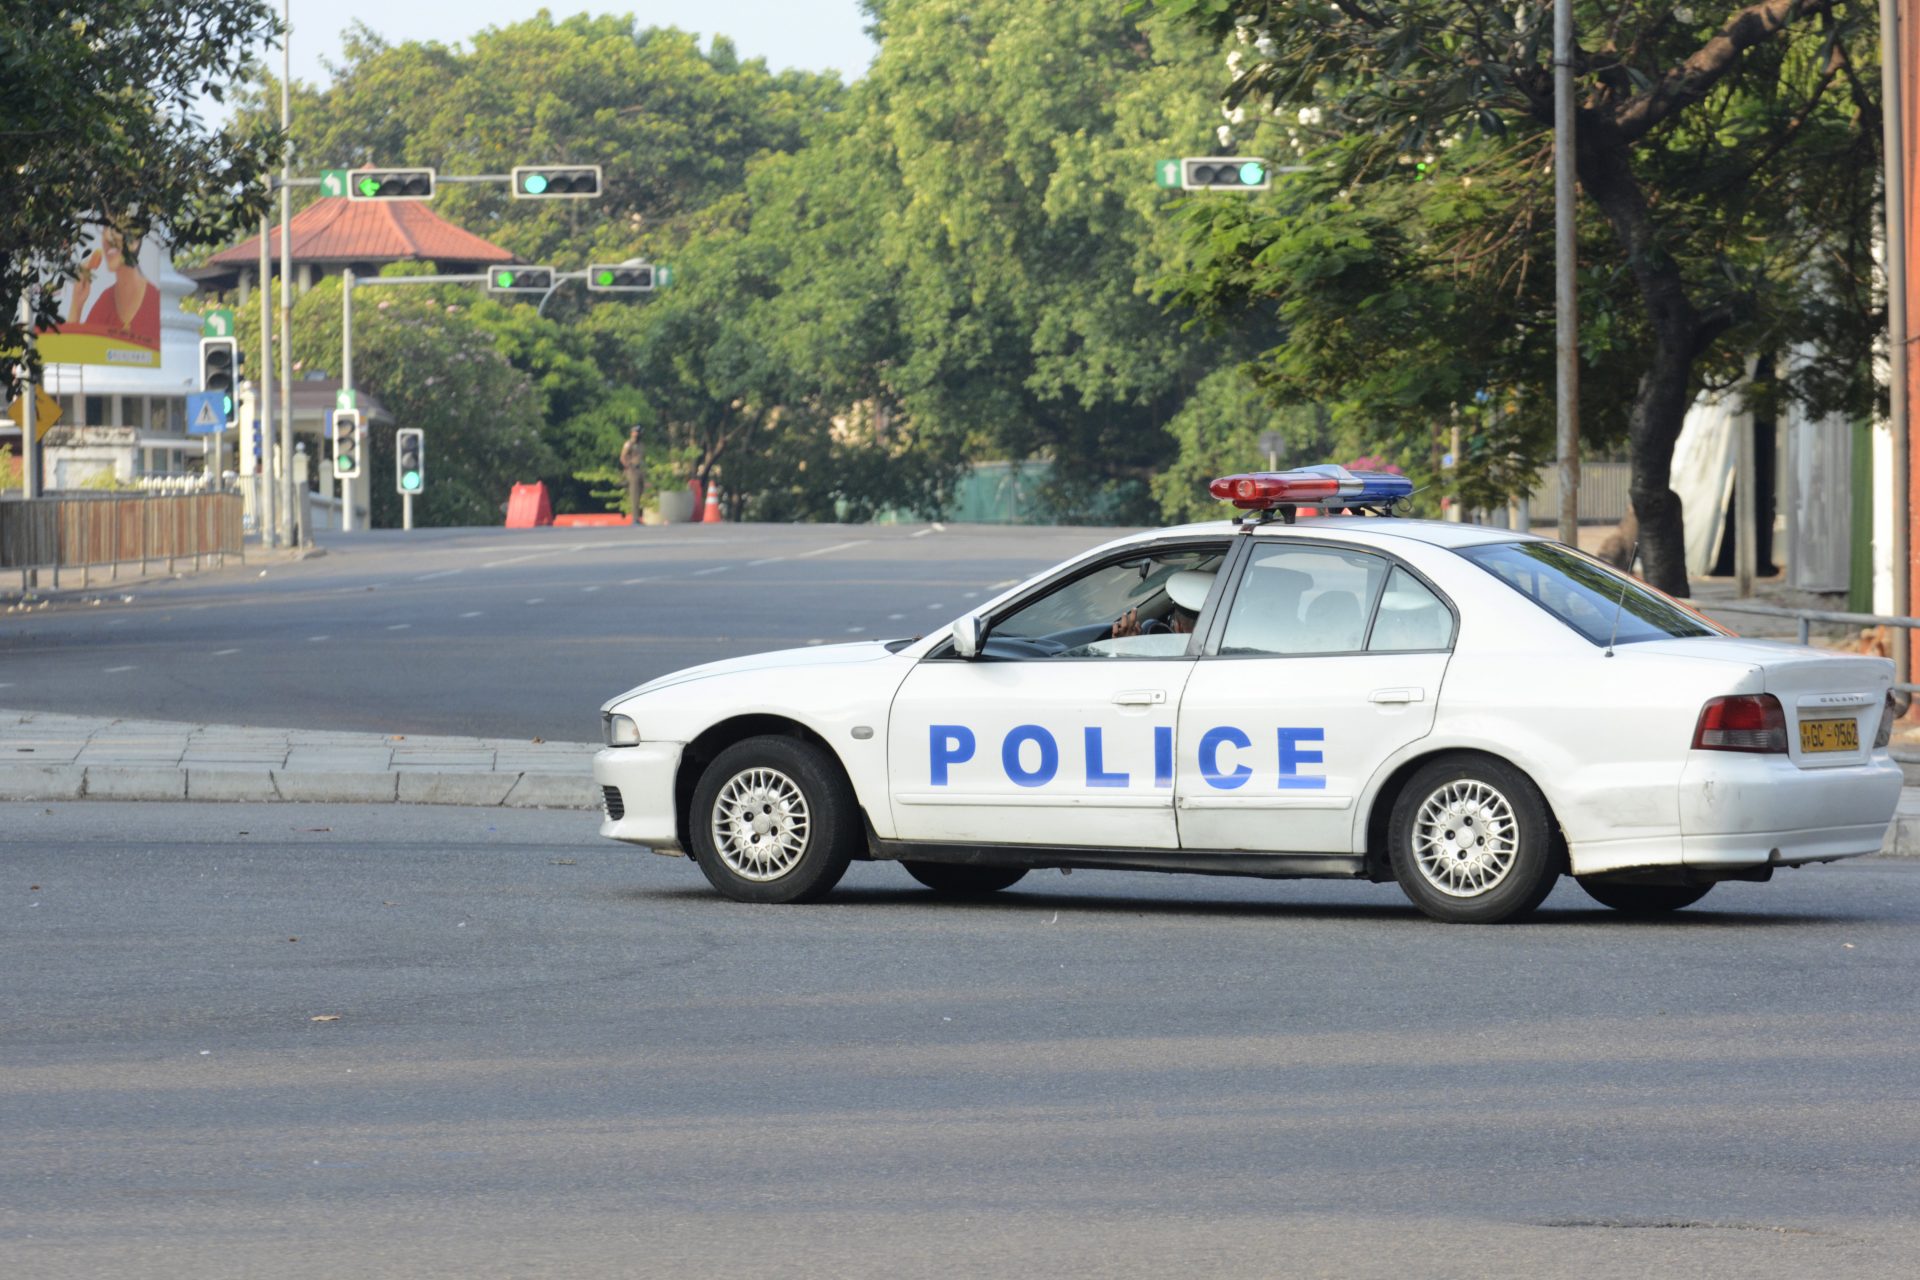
{"x": 98, "y": 106}
{"x": 1726, "y": 159}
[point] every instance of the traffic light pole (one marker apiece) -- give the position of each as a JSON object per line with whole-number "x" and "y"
{"x": 346, "y": 385}
{"x": 263, "y": 404}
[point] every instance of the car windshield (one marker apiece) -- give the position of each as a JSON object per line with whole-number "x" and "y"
{"x": 1594, "y": 600}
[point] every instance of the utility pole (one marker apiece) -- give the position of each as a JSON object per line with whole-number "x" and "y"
{"x": 286, "y": 274}
{"x": 1893, "y": 153}
{"x": 346, "y": 386}
{"x": 29, "y": 455}
{"x": 1566, "y": 309}
{"x": 263, "y": 474}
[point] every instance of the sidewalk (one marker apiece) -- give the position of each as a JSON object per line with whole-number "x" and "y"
{"x": 56, "y": 757}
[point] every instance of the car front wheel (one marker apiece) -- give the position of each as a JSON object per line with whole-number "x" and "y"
{"x": 1472, "y": 841}
{"x": 1643, "y": 899}
{"x": 774, "y": 820}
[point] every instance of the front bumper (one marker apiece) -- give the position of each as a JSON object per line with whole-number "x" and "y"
{"x": 643, "y": 777}
{"x": 1752, "y": 810}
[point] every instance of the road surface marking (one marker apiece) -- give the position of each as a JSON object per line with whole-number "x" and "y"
{"x": 922, "y": 533}
{"x": 719, "y": 568}
{"x": 634, "y": 582}
{"x": 532, "y": 555}
{"x": 225, "y": 653}
{"x": 429, "y": 577}
{"x": 114, "y": 671}
{"x": 587, "y": 591}
{"x": 838, "y": 546}
{"x": 769, "y": 560}
{"x": 538, "y": 600}
{"x": 317, "y": 639}
{"x": 400, "y": 626}
{"x": 936, "y": 606}
{"x": 854, "y": 631}
{"x": 971, "y": 595}
{"x": 895, "y": 617}
{"x": 475, "y": 614}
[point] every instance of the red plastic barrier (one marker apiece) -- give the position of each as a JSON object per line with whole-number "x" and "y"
{"x": 529, "y": 506}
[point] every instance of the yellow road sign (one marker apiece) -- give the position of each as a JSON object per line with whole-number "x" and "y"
{"x": 46, "y": 412}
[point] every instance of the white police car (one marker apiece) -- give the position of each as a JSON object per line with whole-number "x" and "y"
{"x": 1469, "y": 711}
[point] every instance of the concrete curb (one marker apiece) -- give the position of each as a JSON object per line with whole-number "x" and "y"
{"x": 240, "y": 786}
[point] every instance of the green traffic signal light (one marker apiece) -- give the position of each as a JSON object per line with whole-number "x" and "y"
{"x": 603, "y": 277}
{"x": 343, "y": 462}
{"x": 536, "y": 183}
{"x": 410, "y": 481}
{"x": 1253, "y": 173}
{"x": 504, "y": 279}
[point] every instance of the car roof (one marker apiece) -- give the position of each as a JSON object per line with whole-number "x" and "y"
{"x": 1439, "y": 533}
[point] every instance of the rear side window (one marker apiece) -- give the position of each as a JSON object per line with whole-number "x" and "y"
{"x": 1410, "y": 617}
{"x": 1301, "y": 600}
{"x": 1585, "y": 594}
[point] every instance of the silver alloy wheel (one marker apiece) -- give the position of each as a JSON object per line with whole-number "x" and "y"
{"x": 1465, "y": 838}
{"x": 760, "y": 824}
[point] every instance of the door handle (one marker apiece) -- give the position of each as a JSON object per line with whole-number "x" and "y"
{"x": 1397, "y": 695}
{"x": 1140, "y": 698}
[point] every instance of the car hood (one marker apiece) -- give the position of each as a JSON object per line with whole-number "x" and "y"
{"x": 812, "y": 656}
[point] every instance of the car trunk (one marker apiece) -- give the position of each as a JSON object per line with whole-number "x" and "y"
{"x": 1832, "y": 701}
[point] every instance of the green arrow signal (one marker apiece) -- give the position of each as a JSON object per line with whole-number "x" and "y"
{"x": 369, "y": 187}
{"x": 504, "y": 279}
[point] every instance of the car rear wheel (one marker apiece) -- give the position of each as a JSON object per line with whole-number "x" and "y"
{"x": 1643, "y": 899}
{"x": 774, "y": 820}
{"x": 963, "y": 882}
{"x": 1472, "y": 842}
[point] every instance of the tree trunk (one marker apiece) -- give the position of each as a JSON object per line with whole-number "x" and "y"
{"x": 1660, "y": 403}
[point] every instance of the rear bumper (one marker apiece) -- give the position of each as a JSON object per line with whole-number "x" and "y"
{"x": 1749, "y": 810}
{"x": 644, "y": 776}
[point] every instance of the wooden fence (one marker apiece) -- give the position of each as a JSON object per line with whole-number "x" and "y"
{"x": 85, "y": 532}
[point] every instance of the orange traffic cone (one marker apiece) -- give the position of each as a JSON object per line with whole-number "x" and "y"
{"x": 712, "y": 514}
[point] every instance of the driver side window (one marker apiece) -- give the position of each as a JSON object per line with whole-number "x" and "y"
{"x": 1144, "y": 606}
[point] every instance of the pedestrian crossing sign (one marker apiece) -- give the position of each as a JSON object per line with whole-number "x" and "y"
{"x": 206, "y": 413}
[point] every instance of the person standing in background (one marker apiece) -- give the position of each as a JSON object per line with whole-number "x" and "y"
{"x": 633, "y": 461}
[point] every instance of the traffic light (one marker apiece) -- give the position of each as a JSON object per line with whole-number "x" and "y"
{"x": 220, "y": 373}
{"x": 1225, "y": 173}
{"x": 519, "y": 279}
{"x": 409, "y": 460}
{"x": 349, "y": 444}
{"x": 556, "y": 182}
{"x": 615, "y": 277}
{"x": 390, "y": 184}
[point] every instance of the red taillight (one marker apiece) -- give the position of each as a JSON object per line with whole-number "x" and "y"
{"x": 1889, "y": 712}
{"x": 1744, "y": 722}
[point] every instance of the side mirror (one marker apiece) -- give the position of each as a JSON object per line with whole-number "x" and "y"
{"x": 970, "y": 636}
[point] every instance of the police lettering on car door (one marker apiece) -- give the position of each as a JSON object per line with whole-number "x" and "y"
{"x": 1029, "y": 755}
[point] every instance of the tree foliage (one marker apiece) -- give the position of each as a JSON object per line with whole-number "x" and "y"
{"x": 98, "y": 113}
{"x": 1726, "y": 160}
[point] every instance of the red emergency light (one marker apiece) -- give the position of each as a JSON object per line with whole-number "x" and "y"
{"x": 1310, "y": 486}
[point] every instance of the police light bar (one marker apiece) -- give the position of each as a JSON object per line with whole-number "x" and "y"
{"x": 1322, "y": 486}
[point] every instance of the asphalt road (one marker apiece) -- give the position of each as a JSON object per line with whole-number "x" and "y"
{"x": 494, "y": 632}
{"x": 555, "y": 1056}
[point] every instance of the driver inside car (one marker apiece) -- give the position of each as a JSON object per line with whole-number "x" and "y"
{"x": 1187, "y": 590}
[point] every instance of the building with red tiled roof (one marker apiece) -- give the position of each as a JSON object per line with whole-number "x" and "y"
{"x": 334, "y": 233}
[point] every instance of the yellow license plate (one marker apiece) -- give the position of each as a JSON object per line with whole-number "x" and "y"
{"x": 1828, "y": 735}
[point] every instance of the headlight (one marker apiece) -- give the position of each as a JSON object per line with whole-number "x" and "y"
{"x": 620, "y": 731}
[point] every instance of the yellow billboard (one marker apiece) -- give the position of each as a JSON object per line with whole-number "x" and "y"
{"x": 111, "y": 313}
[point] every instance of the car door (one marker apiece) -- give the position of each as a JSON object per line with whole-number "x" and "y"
{"x": 1060, "y": 733}
{"x": 1328, "y": 660}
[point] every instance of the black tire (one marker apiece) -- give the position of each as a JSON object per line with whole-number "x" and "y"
{"x": 1642, "y": 899}
{"x": 810, "y": 840}
{"x": 953, "y": 881}
{"x": 1518, "y": 868}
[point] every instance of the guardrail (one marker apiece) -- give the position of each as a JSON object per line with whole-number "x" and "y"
{"x": 89, "y": 531}
{"x": 1807, "y": 617}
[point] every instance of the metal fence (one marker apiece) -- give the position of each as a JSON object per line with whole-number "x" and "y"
{"x": 1603, "y": 492}
{"x": 108, "y": 530}
{"x": 1807, "y": 617}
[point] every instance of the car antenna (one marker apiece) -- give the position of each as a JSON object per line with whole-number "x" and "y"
{"x": 1621, "y": 603}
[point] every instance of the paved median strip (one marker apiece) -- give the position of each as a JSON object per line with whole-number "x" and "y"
{"x": 56, "y": 757}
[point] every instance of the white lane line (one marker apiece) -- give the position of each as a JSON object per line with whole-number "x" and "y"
{"x": 634, "y": 582}
{"x": 475, "y": 614}
{"x": 587, "y": 591}
{"x": 922, "y": 533}
{"x": 813, "y": 642}
{"x": 114, "y": 671}
{"x": 971, "y": 595}
{"x": 936, "y": 606}
{"x": 5, "y": 685}
{"x": 317, "y": 639}
{"x": 895, "y": 617}
{"x": 400, "y": 626}
{"x": 538, "y": 600}
{"x": 719, "y": 568}
{"x": 838, "y": 546}
{"x": 429, "y": 577}
{"x": 1010, "y": 582}
{"x": 225, "y": 653}
{"x": 769, "y": 560}
{"x": 854, "y": 631}
{"x": 532, "y": 555}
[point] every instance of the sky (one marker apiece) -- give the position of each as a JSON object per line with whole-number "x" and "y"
{"x": 814, "y": 35}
